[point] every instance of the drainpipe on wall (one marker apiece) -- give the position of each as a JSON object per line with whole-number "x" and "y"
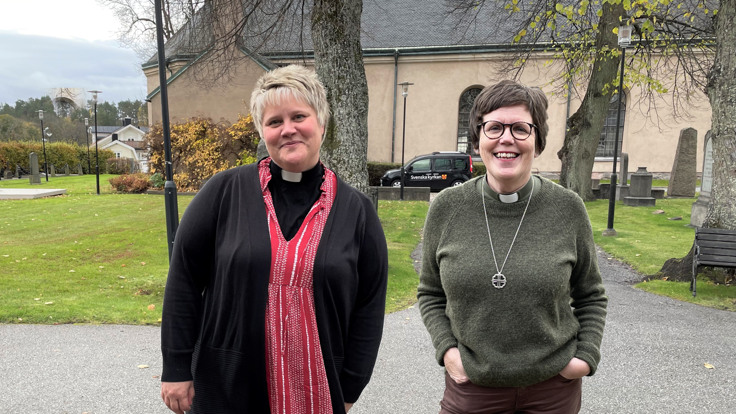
{"x": 396, "y": 83}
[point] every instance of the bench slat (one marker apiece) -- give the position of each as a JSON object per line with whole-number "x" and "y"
{"x": 716, "y": 251}
{"x": 706, "y": 230}
{"x": 717, "y": 264}
{"x": 717, "y": 244}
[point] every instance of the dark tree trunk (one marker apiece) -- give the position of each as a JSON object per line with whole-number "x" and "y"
{"x": 338, "y": 60}
{"x": 721, "y": 91}
{"x": 585, "y": 125}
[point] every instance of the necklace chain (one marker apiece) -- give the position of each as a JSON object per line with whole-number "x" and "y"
{"x": 499, "y": 280}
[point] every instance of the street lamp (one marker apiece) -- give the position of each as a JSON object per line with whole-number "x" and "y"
{"x": 43, "y": 142}
{"x": 404, "y": 93}
{"x": 624, "y": 41}
{"x": 97, "y": 156}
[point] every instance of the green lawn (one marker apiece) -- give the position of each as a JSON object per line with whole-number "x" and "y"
{"x": 88, "y": 258}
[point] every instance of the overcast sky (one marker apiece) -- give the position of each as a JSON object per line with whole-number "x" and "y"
{"x": 47, "y": 44}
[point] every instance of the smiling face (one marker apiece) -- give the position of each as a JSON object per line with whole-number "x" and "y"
{"x": 292, "y": 134}
{"x": 508, "y": 161}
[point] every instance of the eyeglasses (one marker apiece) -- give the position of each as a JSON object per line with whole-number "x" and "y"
{"x": 519, "y": 130}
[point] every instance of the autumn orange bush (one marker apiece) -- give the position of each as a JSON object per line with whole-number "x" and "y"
{"x": 130, "y": 183}
{"x": 201, "y": 148}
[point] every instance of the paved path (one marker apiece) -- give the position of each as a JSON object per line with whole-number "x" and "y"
{"x": 654, "y": 351}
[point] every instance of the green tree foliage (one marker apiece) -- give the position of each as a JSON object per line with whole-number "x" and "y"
{"x": 14, "y": 129}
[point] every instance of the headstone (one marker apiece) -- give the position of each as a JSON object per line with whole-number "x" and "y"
{"x": 79, "y": 169}
{"x": 640, "y": 191}
{"x": 700, "y": 206}
{"x": 622, "y": 188}
{"x": 8, "y": 174}
{"x": 66, "y": 169}
{"x": 684, "y": 176}
{"x": 35, "y": 176}
{"x": 52, "y": 170}
{"x": 17, "y": 171}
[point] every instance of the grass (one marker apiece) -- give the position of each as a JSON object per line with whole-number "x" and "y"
{"x": 646, "y": 240}
{"x": 84, "y": 258}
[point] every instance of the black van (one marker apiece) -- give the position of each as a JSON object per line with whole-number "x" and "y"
{"x": 437, "y": 171}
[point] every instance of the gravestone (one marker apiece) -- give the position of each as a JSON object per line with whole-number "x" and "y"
{"x": 35, "y": 176}
{"x": 17, "y": 171}
{"x": 8, "y": 174}
{"x": 52, "y": 170}
{"x": 684, "y": 175}
{"x": 640, "y": 191}
{"x": 622, "y": 188}
{"x": 79, "y": 169}
{"x": 66, "y": 169}
{"x": 700, "y": 207}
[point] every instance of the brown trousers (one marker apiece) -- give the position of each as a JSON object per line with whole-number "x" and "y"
{"x": 556, "y": 395}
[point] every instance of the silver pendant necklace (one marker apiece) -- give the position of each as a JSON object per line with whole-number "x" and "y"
{"x": 499, "y": 280}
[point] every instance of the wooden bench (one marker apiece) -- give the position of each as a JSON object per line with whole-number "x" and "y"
{"x": 713, "y": 247}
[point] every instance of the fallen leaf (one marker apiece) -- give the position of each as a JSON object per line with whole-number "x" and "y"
{"x": 658, "y": 212}
{"x": 709, "y": 366}
{"x": 675, "y": 218}
{"x": 71, "y": 271}
{"x": 101, "y": 267}
{"x": 121, "y": 277}
{"x": 122, "y": 265}
{"x": 638, "y": 254}
{"x": 48, "y": 303}
{"x": 151, "y": 307}
{"x": 143, "y": 366}
{"x": 143, "y": 263}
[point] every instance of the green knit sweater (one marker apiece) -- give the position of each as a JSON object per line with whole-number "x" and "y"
{"x": 553, "y": 307}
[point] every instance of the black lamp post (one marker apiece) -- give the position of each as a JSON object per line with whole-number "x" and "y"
{"x": 624, "y": 41}
{"x": 87, "y": 131}
{"x": 170, "y": 199}
{"x": 97, "y": 155}
{"x": 43, "y": 142}
{"x": 404, "y": 93}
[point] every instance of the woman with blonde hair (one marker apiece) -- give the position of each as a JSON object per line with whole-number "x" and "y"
{"x": 276, "y": 291}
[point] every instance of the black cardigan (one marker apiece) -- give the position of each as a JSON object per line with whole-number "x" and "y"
{"x": 213, "y": 325}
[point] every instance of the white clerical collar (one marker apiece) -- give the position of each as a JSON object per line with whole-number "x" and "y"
{"x": 509, "y": 198}
{"x": 291, "y": 176}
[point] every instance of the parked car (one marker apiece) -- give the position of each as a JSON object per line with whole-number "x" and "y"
{"x": 437, "y": 171}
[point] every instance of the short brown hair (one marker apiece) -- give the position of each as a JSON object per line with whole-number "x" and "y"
{"x": 510, "y": 93}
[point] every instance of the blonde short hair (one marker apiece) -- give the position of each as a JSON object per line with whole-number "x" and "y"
{"x": 293, "y": 81}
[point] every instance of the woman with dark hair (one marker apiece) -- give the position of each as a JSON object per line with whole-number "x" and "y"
{"x": 277, "y": 286}
{"x": 510, "y": 290}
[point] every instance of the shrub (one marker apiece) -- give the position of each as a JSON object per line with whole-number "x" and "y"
{"x": 121, "y": 165}
{"x": 130, "y": 183}
{"x": 201, "y": 148}
{"x": 157, "y": 180}
{"x": 377, "y": 169}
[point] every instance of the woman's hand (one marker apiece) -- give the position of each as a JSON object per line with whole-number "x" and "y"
{"x": 576, "y": 368}
{"x": 454, "y": 366}
{"x": 178, "y": 396}
{"x": 348, "y": 406}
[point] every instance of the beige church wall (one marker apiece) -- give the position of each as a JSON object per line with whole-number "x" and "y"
{"x": 433, "y": 104}
{"x": 222, "y": 101}
{"x": 432, "y": 108}
{"x": 651, "y": 136}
